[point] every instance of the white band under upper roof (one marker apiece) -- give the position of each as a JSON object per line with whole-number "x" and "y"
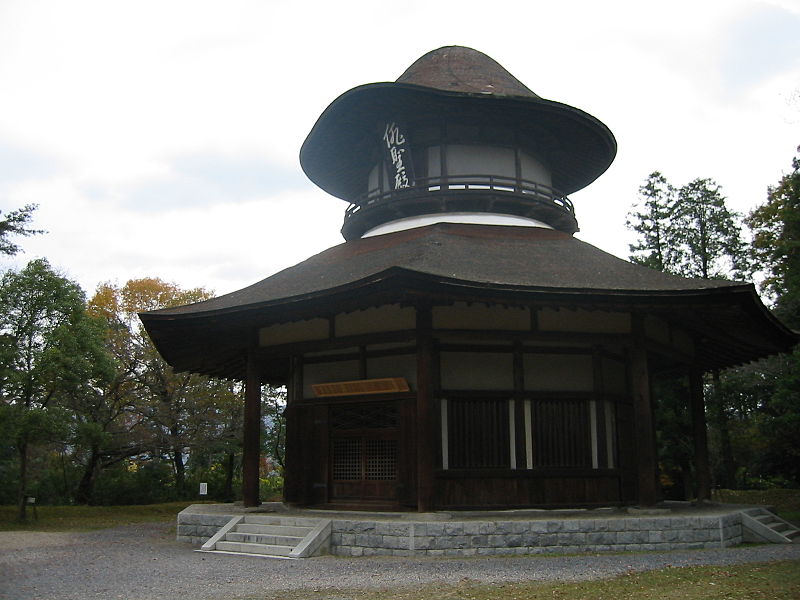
{"x": 480, "y": 218}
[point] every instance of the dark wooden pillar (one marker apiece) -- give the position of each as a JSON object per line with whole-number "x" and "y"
{"x": 425, "y": 432}
{"x": 644, "y": 424}
{"x": 251, "y": 452}
{"x": 294, "y": 482}
{"x": 700, "y": 435}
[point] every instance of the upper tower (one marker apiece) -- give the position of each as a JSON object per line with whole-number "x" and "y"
{"x": 455, "y": 138}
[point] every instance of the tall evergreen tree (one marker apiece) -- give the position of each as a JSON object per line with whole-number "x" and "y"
{"x": 649, "y": 218}
{"x": 690, "y": 232}
{"x": 776, "y": 248}
{"x": 16, "y": 223}
{"x": 776, "y": 244}
{"x": 704, "y": 236}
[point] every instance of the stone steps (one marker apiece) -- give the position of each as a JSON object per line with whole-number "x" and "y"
{"x": 272, "y": 536}
{"x": 761, "y": 525}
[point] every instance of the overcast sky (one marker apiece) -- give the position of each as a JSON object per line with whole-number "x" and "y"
{"x": 161, "y": 138}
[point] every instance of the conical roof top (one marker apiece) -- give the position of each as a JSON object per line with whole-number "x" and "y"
{"x": 340, "y": 150}
{"x": 461, "y": 69}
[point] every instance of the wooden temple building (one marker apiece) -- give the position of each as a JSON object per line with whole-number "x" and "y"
{"x": 461, "y": 349}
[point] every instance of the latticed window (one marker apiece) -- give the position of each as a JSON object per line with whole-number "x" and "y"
{"x": 363, "y": 446}
{"x": 380, "y": 459}
{"x": 364, "y": 415}
{"x": 561, "y": 433}
{"x": 364, "y": 458}
{"x": 347, "y": 458}
{"x": 477, "y": 433}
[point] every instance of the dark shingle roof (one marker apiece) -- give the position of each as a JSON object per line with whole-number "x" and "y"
{"x": 472, "y": 262}
{"x": 339, "y": 151}
{"x": 486, "y": 255}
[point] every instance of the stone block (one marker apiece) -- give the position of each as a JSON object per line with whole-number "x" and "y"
{"x": 472, "y": 528}
{"x": 504, "y": 527}
{"x": 604, "y": 525}
{"x": 393, "y": 529}
{"x": 656, "y": 537}
{"x": 496, "y": 541}
{"x": 574, "y": 525}
{"x": 555, "y": 526}
{"x": 601, "y": 537}
{"x": 363, "y": 527}
{"x": 479, "y": 541}
{"x": 670, "y": 535}
{"x": 367, "y": 539}
{"x": 537, "y": 526}
{"x": 531, "y": 539}
{"x": 679, "y": 523}
{"x": 686, "y": 535}
{"x": 549, "y": 539}
{"x": 395, "y": 542}
{"x": 704, "y": 535}
{"x": 487, "y": 527}
{"x": 425, "y": 542}
{"x": 454, "y": 528}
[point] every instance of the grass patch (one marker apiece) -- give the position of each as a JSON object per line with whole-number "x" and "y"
{"x": 85, "y": 518}
{"x": 785, "y": 501}
{"x": 782, "y": 499}
{"x": 773, "y": 581}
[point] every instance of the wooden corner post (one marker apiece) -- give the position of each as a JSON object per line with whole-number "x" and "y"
{"x": 700, "y": 435}
{"x": 251, "y": 451}
{"x": 646, "y": 463}
{"x": 425, "y": 444}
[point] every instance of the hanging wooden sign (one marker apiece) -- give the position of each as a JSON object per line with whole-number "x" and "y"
{"x": 398, "y": 157}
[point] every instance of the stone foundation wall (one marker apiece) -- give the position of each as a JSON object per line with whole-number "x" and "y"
{"x": 196, "y": 528}
{"x": 351, "y": 537}
{"x": 471, "y": 538}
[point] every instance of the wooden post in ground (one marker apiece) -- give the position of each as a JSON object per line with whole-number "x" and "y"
{"x": 425, "y": 444}
{"x": 251, "y": 451}
{"x": 644, "y": 422}
{"x": 700, "y": 436}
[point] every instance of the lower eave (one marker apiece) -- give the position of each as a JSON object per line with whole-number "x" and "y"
{"x": 732, "y": 323}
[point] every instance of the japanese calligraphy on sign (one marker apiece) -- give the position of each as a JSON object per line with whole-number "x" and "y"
{"x": 397, "y": 155}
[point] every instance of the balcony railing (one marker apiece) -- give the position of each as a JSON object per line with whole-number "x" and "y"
{"x": 527, "y": 195}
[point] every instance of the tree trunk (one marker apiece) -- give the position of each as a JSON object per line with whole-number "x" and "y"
{"x": 23, "y": 480}
{"x": 83, "y": 494}
{"x": 180, "y": 471}
{"x": 726, "y": 448}
{"x": 227, "y": 490}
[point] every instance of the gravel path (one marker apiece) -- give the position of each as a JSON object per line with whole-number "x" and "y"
{"x": 143, "y": 562}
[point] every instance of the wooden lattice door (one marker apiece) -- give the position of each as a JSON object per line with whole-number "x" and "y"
{"x": 364, "y": 451}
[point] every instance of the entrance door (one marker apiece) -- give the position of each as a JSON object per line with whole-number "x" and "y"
{"x": 364, "y": 452}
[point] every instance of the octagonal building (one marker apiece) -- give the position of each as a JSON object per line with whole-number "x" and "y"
{"x": 461, "y": 349}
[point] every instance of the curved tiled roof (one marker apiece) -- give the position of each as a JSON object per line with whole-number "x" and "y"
{"x": 486, "y": 255}
{"x": 472, "y": 262}
{"x": 339, "y": 151}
